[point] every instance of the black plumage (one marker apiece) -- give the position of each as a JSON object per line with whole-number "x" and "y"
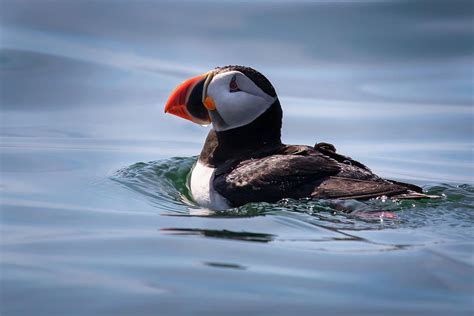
{"x": 253, "y": 165}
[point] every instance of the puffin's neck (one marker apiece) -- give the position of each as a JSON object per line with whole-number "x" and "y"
{"x": 244, "y": 142}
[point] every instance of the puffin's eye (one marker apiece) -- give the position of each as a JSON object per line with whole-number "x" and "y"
{"x": 233, "y": 87}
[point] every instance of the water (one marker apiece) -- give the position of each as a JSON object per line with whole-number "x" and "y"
{"x": 96, "y": 218}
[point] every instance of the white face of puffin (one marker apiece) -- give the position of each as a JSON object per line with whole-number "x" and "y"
{"x": 228, "y": 100}
{"x": 237, "y": 100}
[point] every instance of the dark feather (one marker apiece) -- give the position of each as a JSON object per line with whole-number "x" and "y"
{"x": 347, "y": 188}
{"x": 302, "y": 171}
{"x": 252, "y": 164}
{"x": 271, "y": 178}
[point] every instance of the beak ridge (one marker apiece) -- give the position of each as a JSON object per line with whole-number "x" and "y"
{"x": 177, "y": 102}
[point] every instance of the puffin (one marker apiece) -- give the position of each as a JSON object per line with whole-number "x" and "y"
{"x": 244, "y": 160}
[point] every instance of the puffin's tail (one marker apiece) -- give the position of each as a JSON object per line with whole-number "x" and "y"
{"x": 414, "y": 192}
{"x": 336, "y": 185}
{"x": 412, "y": 195}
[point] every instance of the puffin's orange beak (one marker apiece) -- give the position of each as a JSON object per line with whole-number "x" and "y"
{"x": 186, "y": 101}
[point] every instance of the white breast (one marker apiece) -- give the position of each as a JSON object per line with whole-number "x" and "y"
{"x": 202, "y": 189}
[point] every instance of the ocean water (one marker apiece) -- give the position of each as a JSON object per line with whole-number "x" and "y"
{"x": 96, "y": 217}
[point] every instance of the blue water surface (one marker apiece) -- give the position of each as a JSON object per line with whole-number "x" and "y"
{"x": 96, "y": 217}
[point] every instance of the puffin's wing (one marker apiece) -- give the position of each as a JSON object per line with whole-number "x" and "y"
{"x": 336, "y": 187}
{"x": 274, "y": 177}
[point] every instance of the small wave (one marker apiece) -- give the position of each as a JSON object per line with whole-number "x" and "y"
{"x": 165, "y": 184}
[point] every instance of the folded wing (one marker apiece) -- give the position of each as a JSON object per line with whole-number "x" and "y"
{"x": 274, "y": 177}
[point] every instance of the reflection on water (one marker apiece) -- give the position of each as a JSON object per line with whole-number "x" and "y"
{"x": 225, "y": 234}
{"x": 224, "y": 265}
{"x": 89, "y": 227}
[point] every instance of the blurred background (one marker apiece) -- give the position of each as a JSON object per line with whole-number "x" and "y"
{"x": 95, "y": 215}
{"x": 389, "y": 82}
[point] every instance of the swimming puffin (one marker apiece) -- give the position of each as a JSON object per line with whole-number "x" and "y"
{"x": 243, "y": 159}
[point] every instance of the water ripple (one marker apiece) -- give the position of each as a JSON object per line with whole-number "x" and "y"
{"x": 163, "y": 183}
